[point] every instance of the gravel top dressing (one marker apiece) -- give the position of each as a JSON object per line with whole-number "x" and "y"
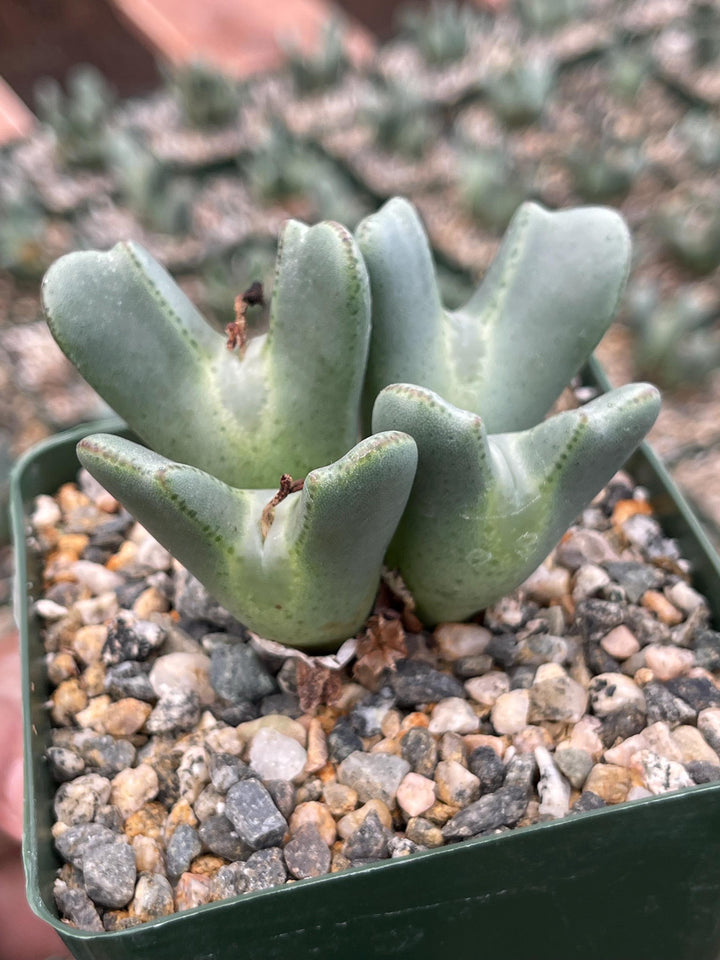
{"x": 196, "y": 762}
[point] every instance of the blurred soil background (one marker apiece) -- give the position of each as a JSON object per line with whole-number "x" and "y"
{"x": 196, "y": 129}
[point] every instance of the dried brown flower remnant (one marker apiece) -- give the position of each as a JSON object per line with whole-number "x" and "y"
{"x": 287, "y": 486}
{"x": 380, "y": 648}
{"x": 236, "y": 332}
{"x": 316, "y": 684}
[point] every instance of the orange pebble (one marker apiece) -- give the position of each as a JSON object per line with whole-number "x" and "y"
{"x": 624, "y": 509}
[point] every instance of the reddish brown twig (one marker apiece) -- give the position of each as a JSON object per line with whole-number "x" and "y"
{"x": 287, "y": 486}
{"x": 236, "y": 331}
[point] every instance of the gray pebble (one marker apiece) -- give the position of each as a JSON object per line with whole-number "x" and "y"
{"x": 286, "y": 704}
{"x": 238, "y": 674}
{"x": 219, "y": 837}
{"x": 76, "y": 906}
{"x": 574, "y": 764}
{"x": 153, "y": 897}
{"x": 367, "y": 716}
{"x": 369, "y": 841}
{"x": 587, "y": 801}
{"x": 129, "y": 679}
{"x": 504, "y": 649}
{"x": 636, "y": 578}
{"x": 229, "y": 881}
{"x": 645, "y": 627}
{"x": 596, "y": 618}
{"x": 375, "y": 776}
{"x": 542, "y": 648}
{"x": 78, "y": 800}
{"x": 71, "y": 844}
{"x": 419, "y": 748}
{"x": 284, "y": 794}
{"x": 181, "y": 850}
{"x": 522, "y": 677}
{"x": 265, "y": 869}
{"x": 414, "y": 682}
{"x": 109, "y": 874}
{"x": 193, "y": 602}
{"x": 622, "y": 723}
{"x": 475, "y": 666}
{"x": 226, "y": 769}
{"x": 130, "y": 638}
{"x": 703, "y": 772}
{"x": 500, "y": 809}
{"x": 64, "y": 764}
{"x": 707, "y": 650}
{"x": 521, "y": 771}
{"x": 107, "y": 756}
{"x": 402, "y": 846}
{"x": 664, "y": 705}
{"x": 699, "y": 692}
{"x": 343, "y": 740}
{"x": 307, "y": 854}
{"x": 256, "y": 819}
{"x": 487, "y": 766}
{"x": 177, "y": 709}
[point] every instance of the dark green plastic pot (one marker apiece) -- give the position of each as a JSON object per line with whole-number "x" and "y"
{"x": 634, "y": 882}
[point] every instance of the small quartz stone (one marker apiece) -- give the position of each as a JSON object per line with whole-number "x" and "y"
{"x": 548, "y": 583}
{"x": 667, "y": 661}
{"x": 660, "y": 774}
{"x": 574, "y": 764}
{"x": 373, "y": 775}
{"x": 307, "y": 854}
{"x": 369, "y": 841}
{"x": 693, "y": 746}
{"x": 589, "y": 581}
{"x": 182, "y": 848}
{"x": 153, "y": 897}
{"x": 584, "y": 546}
{"x": 78, "y": 800}
{"x": 455, "y": 784}
{"x": 414, "y": 682}
{"x": 609, "y": 782}
{"x": 620, "y": 643}
{"x": 317, "y": 747}
{"x": 661, "y": 607}
{"x": 542, "y": 648}
{"x": 208, "y": 802}
{"x": 502, "y": 808}
{"x": 192, "y": 890}
{"x": 339, "y": 798}
{"x": 349, "y": 823}
{"x": 459, "y": 640}
{"x": 559, "y": 698}
{"x": 97, "y": 609}
{"x": 256, "y": 819}
{"x": 88, "y": 643}
{"x": 368, "y": 715}
{"x": 125, "y": 717}
{"x": 614, "y": 691}
{"x": 510, "y": 712}
{"x": 133, "y": 787}
{"x": 183, "y": 671}
{"x": 175, "y": 710}
{"x": 237, "y": 673}
{"x": 282, "y": 724}
{"x": 424, "y": 832}
{"x": 487, "y": 766}
{"x": 109, "y": 873}
{"x": 553, "y": 788}
{"x": 68, "y": 699}
{"x": 452, "y": 747}
{"x": 455, "y": 715}
{"x": 486, "y": 689}
{"x": 148, "y": 855}
{"x": 415, "y": 795}
{"x": 276, "y": 757}
{"x": 265, "y": 869}
{"x": 317, "y": 814}
{"x": 682, "y": 596}
{"x": 192, "y": 772}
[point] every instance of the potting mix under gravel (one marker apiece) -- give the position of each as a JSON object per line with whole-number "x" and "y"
{"x": 196, "y": 762}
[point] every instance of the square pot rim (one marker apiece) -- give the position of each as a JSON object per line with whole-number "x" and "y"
{"x": 22, "y": 606}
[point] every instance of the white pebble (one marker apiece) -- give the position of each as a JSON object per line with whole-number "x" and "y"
{"x": 614, "y": 691}
{"x": 510, "y": 712}
{"x": 667, "y": 661}
{"x": 276, "y": 757}
{"x": 453, "y": 715}
{"x": 486, "y": 689}
{"x": 183, "y": 671}
{"x": 553, "y": 788}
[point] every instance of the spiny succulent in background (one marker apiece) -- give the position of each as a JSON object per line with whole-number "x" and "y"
{"x": 441, "y": 31}
{"x": 323, "y": 69}
{"x": 207, "y": 97}
{"x": 628, "y": 66}
{"x": 290, "y": 171}
{"x": 519, "y": 93}
{"x": 704, "y": 23}
{"x": 605, "y": 170}
{"x": 689, "y": 224}
{"x": 545, "y": 15}
{"x": 491, "y": 187}
{"x": 676, "y": 339}
{"x": 700, "y": 131}
{"x": 404, "y": 124}
{"x": 302, "y": 564}
{"x": 22, "y": 230}
{"x": 160, "y": 200}
{"x": 78, "y": 118}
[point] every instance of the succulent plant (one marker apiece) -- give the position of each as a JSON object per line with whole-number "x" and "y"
{"x": 287, "y": 404}
{"x": 207, "y": 97}
{"x": 485, "y": 511}
{"x": 551, "y": 292}
{"x": 490, "y": 187}
{"x": 78, "y": 119}
{"x": 604, "y": 171}
{"x": 224, "y": 277}
{"x": 23, "y": 225}
{"x": 313, "y": 72}
{"x": 404, "y": 124}
{"x": 545, "y": 15}
{"x": 518, "y": 94}
{"x": 676, "y": 340}
{"x": 161, "y": 200}
{"x": 440, "y": 30}
{"x": 704, "y": 22}
{"x": 302, "y": 564}
{"x": 689, "y": 224}
{"x": 306, "y": 572}
{"x": 700, "y": 130}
